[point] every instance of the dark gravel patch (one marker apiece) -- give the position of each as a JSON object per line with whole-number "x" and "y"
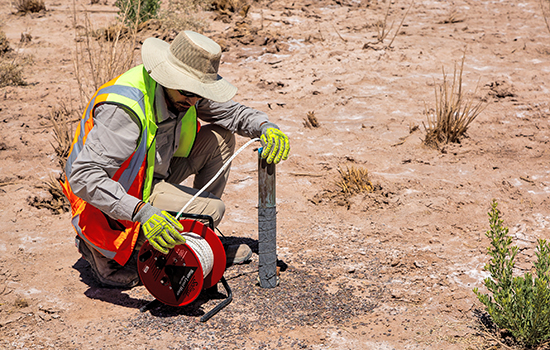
{"x": 305, "y": 297}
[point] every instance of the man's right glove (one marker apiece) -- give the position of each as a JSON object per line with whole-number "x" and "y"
{"x": 160, "y": 228}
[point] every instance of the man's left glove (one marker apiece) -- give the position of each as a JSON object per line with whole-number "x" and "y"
{"x": 160, "y": 228}
{"x": 275, "y": 144}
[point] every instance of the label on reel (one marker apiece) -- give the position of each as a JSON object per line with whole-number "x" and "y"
{"x": 175, "y": 279}
{"x": 179, "y": 279}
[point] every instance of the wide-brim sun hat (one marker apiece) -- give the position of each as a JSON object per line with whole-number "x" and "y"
{"x": 189, "y": 63}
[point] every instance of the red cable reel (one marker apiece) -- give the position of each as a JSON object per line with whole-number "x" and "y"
{"x": 177, "y": 278}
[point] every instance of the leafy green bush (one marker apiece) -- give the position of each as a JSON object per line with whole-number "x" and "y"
{"x": 133, "y": 12}
{"x": 521, "y": 304}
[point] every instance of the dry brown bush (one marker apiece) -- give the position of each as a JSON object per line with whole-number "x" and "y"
{"x": 185, "y": 15}
{"x": 25, "y": 38}
{"x": 311, "y": 120}
{"x": 226, "y": 9}
{"x": 11, "y": 64}
{"x": 62, "y": 119}
{"x": 96, "y": 60}
{"x": 354, "y": 180}
{"x": 382, "y": 26}
{"x": 4, "y": 44}
{"x": 56, "y": 201}
{"x": 351, "y": 181}
{"x": 26, "y": 6}
{"x": 383, "y": 30}
{"x": 545, "y": 7}
{"x": 11, "y": 74}
{"x": 453, "y": 113}
{"x": 453, "y": 16}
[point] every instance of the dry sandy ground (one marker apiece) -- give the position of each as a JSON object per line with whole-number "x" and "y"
{"x": 393, "y": 269}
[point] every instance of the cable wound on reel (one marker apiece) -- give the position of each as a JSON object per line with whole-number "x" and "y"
{"x": 178, "y": 277}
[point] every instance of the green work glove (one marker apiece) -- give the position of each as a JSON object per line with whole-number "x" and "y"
{"x": 275, "y": 144}
{"x": 160, "y": 228}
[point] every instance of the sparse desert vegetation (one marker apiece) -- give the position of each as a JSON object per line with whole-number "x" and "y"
{"x": 406, "y": 120}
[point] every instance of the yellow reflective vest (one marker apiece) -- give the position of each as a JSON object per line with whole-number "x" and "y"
{"x": 134, "y": 91}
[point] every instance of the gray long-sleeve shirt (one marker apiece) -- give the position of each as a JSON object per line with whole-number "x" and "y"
{"x": 114, "y": 138}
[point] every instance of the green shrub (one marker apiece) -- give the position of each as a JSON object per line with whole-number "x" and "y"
{"x": 133, "y": 12}
{"x": 521, "y": 304}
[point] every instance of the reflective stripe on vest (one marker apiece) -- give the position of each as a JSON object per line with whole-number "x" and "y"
{"x": 129, "y": 174}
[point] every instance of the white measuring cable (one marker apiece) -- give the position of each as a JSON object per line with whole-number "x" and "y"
{"x": 202, "y": 249}
{"x": 215, "y": 176}
{"x": 194, "y": 241}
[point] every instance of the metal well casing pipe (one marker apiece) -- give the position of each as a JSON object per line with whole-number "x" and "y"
{"x": 267, "y": 224}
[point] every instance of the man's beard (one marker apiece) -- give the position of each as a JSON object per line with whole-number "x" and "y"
{"x": 182, "y": 107}
{"x": 177, "y": 106}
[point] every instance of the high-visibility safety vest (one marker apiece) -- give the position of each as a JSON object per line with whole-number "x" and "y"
{"x": 134, "y": 91}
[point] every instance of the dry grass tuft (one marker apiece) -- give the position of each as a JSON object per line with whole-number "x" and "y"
{"x": 11, "y": 64}
{"x": 26, "y": 6}
{"x": 21, "y": 303}
{"x": 4, "y": 44}
{"x": 311, "y": 120}
{"x": 354, "y": 180}
{"x": 25, "y": 38}
{"x": 453, "y": 16}
{"x": 227, "y": 9}
{"x": 11, "y": 73}
{"x": 56, "y": 202}
{"x": 382, "y": 27}
{"x": 184, "y": 15}
{"x": 62, "y": 119}
{"x": 454, "y": 112}
{"x": 96, "y": 60}
{"x": 543, "y": 5}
